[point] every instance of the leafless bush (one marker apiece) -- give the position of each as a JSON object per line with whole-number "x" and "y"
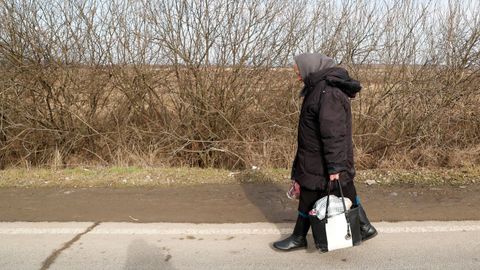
{"x": 207, "y": 83}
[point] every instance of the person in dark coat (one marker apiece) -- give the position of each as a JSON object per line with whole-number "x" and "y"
{"x": 325, "y": 146}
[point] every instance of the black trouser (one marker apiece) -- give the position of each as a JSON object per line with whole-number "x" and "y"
{"x": 309, "y": 197}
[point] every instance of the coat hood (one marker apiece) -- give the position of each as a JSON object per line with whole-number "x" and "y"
{"x": 336, "y": 77}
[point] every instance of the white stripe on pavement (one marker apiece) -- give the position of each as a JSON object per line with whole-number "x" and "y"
{"x": 120, "y": 228}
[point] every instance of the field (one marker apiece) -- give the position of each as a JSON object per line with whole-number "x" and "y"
{"x": 122, "y": 85}
{"x": 177, "y": 117}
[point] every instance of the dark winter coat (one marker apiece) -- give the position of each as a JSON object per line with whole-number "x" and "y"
{"x": 325, "y": 129}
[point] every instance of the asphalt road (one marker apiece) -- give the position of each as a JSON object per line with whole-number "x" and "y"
{"x": 73, "y": 245}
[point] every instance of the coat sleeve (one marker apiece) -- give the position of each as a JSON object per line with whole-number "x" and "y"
{"x": 332, "y": 118}
{"x": 294, "y": 165}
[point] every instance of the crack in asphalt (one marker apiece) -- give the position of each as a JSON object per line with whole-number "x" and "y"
{"x": 51, "y": 259}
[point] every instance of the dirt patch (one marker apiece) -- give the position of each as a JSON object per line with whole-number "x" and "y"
{"x": 130, "y": 177}
{"x": 227, "y": 203}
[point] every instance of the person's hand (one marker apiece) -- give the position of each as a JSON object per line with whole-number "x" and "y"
{"x": 334, "y": 177}
{"x": 296, "y": 186}
{"x": 294, "y": 192}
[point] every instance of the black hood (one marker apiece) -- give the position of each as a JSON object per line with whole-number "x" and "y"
{"x": 336, "y": 77}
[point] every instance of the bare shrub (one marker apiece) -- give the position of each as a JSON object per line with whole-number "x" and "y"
{"x": 208, "y": 83}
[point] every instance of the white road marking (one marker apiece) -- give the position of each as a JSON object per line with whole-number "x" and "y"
{"x": 125, "y": 228}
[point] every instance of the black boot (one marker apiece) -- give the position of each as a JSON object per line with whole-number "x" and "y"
{"x": 298, "y": 239}
{"x": 366, "y": 229}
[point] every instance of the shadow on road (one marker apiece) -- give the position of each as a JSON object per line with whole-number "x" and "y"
{"x": 269, "y": 197}
{"x": 142, "y": 255}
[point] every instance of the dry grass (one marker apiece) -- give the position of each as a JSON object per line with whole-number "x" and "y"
{"x": 124, "y": 177}
{"x": 163, "y": 98}
{"x": 408, "y": 125}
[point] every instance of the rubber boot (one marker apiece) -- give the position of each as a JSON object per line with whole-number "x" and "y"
{"x": 298, "y": 239}
{"x": 366, "y": 229}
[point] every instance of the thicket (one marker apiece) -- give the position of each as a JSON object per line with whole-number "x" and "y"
{"x": 209, "y": 84}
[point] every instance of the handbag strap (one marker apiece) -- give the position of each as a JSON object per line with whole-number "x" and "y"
{"x": 349, "y": 234}
{"x": 343, "y": 198}
{"x": 328, "y": 197}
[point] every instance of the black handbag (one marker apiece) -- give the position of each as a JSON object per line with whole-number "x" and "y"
{"x": 339, "y": 231}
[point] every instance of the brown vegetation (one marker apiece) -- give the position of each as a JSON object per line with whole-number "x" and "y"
{"x": 204, "y": 83}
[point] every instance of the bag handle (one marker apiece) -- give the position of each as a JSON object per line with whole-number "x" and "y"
{"x": 348, "y": 235}
{"x": 328, "y": 196}
{"x": 341, "y": 194}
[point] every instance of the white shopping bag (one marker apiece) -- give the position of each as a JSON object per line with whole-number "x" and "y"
{"x": 338, "y": 232}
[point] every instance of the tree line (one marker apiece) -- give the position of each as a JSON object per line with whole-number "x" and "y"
{"x": 208, "y": 83}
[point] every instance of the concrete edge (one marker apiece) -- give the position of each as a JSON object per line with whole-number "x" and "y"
{"x": 126, "y": 228}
